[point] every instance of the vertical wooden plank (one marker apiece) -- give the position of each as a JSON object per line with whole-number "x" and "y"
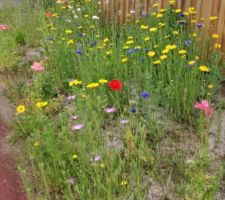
{"x": 111, "y": 6}
{"x": 207, "y": 11}
{"x": 187, "y": 4}
{"x": 117, "y": 20}
{"x": 103, "y": 8}
{"x": 127, "y": 2}
{"x": 193, "y": 3}
{"x": 221, "y": 25}
{"x": 165, "y": 3}
{"x": 145, "y": 7}
{"x": 223, "y": 38}
{"x": 107, "y": 9}
{"x": 215, "y": 12}
{"x": 120, "y": 8}
{"x": 132, "y": 10}
{"x": 179, "y": 4}
{"x": 137, "y": 8}
{"x": 199, "y": 10}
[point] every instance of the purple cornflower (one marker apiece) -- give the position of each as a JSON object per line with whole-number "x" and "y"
{"x": 144, "y": 95}
{"x": 77, "y": 127}
{"x": 199, "y": 25}
{"x": 110, "y": 110}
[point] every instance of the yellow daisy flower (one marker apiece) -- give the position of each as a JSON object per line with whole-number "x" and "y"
{"x": 20, "y": 109}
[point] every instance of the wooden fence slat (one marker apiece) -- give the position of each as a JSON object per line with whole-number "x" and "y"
{"x": 221, "y": 25}
{"x": 179, "y": 4}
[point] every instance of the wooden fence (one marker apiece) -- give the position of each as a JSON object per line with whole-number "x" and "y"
{"x": 122, "y": 11}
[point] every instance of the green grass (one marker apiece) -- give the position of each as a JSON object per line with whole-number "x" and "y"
{"x": 126, "y": 153}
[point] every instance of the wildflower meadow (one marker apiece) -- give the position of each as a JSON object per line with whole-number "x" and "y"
{"x": 112, "y": 111}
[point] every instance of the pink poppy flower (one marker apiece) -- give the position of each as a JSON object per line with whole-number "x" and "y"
{"x": 205, "y": 107}
{"x": 37, "y": 67}
{"x": 4, "y": 27}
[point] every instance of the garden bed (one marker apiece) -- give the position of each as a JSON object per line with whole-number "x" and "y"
{"x": 114, "y": 112}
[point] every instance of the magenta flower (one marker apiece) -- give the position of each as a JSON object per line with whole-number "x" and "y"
{"x": 110, "y": 110}
{"x": 37, "y": 67}
{"x": 205, "y": 107}
{"x": 77, "y": 127}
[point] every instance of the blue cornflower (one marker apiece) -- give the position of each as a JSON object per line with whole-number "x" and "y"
{"x": 181, "y": 15}
{"x": 142, "y": 59}
{"x": 145, "y": 94}
{"x": 129, "y": 51}
{"x": 187, "y": 42}
{"x": 80, "y": 35}
{"x": 133, "y": 110}
{"x": 78, "y": 51}
{"x": 147, "y": 50}
{"x": 49, "y": 38}
{"x": 93, "y": 44}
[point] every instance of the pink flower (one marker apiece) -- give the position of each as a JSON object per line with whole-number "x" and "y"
{"x": 96, "y": 158}
{"x": 124, "y": 121}
{"x": 71, "y": 97}
{"x": 110, "y": 110}
{"x": 37, "y": 67}
{"x": 205, "y": 107}
{"x": 77, "y": 127}
{"x": 71, "y": 181}
{"x": 4, "y": 27}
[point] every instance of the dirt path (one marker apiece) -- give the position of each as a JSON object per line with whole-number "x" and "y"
{"x": 217, "y": 148}
{"x": 10, "y": 182}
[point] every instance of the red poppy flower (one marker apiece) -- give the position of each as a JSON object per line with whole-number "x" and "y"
{"x": 48, "y": 14}
{"x": 115, "y": 85}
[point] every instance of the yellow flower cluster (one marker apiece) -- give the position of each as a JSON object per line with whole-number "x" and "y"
{"x": 204, "y": 68}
